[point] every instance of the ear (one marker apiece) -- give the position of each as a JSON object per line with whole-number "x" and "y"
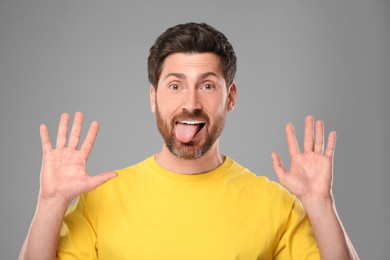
{"x": 232, "y": 97}
{"x": 152, "y": 98}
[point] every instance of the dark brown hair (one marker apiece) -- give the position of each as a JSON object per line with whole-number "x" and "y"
{"x": 191, "y": 38}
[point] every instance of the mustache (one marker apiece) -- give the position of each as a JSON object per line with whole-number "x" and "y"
{"x": 196, "y": 114}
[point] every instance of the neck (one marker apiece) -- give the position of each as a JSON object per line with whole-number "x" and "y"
{"x": 209, "y": 161}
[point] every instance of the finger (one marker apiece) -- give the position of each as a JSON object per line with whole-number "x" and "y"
{"x": 62, "y": 130}
{"x": 308, "y": 140}
{"x": 99, "y": 179}
{"x": 331, "y": 144}
{"x": 292, "y": 144}
{"x": 278, "y": 166}
{"x": 45, "y": 139}
{"x": 74, "y": 136}
{"x": 90, "y": 139}
{"x": 319, "y": 145}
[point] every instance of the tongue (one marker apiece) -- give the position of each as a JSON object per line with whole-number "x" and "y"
{"x": 185, "y": 133}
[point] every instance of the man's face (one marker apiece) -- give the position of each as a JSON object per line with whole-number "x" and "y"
{"x": 191, "y": 103}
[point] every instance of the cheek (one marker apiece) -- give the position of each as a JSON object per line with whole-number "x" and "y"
{"x": 219, "y": 106}
{"x": 166, "y": 108}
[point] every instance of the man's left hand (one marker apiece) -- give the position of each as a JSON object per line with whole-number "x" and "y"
{"x": 311, "y": 171}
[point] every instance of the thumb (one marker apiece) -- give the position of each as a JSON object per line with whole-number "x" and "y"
{"x": 277, "y": 164}
{"x": 99, "y": 179}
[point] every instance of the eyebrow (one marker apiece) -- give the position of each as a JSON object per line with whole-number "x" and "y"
{"x": 183, "y": 76}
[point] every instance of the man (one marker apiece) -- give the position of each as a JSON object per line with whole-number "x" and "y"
{"x": 188, "y": 201}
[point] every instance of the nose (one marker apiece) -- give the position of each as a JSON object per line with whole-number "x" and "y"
{"x": 192, "y": 101}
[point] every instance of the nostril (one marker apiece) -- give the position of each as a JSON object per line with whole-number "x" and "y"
{"x": 195, "y": 112}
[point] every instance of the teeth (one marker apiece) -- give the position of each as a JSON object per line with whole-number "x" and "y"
{"x": 191, "y": 122}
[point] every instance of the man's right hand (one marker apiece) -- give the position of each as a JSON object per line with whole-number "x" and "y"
{"x": 63, "y": 178}
{"x": 64, "y": 169}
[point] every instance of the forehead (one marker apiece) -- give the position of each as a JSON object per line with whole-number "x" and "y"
{"x": 192, "y": 64}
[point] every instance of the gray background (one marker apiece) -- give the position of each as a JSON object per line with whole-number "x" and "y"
{"x": 326, "y": 58}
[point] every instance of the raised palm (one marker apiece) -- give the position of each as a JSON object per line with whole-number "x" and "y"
{"x": 64, "y": 169}
{"x": 311, "y": 172}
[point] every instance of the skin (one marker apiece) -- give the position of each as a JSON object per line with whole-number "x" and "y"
{"x": 187, "y": 83}
{"x": 63, "y": 178}
{"x": 309, "y": 177}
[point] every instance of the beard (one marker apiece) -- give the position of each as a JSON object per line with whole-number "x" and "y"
{"x": 193, "y": 149}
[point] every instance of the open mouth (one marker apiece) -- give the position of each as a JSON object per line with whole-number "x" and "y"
{"x": 186, "y": 130}
{"x": 192, "y": 124}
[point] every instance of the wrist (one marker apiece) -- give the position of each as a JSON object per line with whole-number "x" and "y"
{"x": 52, "y": 205}
{"x": 318, "y": 204}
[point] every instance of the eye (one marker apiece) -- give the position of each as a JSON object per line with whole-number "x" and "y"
{"x": 174, "y": 87}
{"x": 208, "y": 87}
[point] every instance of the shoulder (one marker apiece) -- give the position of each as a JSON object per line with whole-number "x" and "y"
{"x": 245, "y": 176}
{"x": 127, "y": 177}
{"x": 135, "y": 168}
{"x": 262, "y": 198}
{"x": 260, "y": 187}
{"x": 134, "y": 171}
